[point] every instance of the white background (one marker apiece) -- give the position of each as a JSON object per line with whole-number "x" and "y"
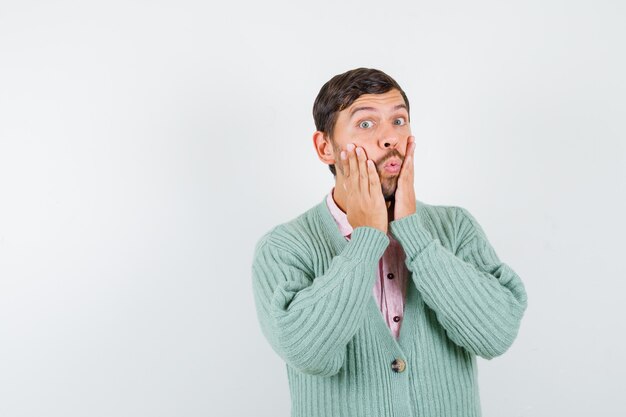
{"x": 145, "y": 146}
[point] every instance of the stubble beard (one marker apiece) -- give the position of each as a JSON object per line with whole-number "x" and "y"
{"x": 389, "y": 184}
{"x": 389, "y": 187}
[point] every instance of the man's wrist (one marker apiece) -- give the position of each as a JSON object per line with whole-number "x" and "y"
{"x": 366, "y": 242}
{"x": 411, "y": 233}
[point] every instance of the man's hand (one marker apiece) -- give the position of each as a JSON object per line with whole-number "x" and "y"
{"x": 404, "y": 204}
{"x": 365, "y": 204}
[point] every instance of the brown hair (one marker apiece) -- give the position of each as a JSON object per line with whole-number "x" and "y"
{"x": 342, "y": 90}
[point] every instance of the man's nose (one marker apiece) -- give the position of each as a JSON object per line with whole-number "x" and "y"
{"x": 389, "y": 137}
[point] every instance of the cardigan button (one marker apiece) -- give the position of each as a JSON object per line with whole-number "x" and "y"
{"x": 398, "y": 365}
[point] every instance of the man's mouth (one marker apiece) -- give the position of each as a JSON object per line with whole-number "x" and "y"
{"x": 392, "y": 166}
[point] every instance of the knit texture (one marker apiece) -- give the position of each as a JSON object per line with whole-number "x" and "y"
{"x": 314, "y": 301}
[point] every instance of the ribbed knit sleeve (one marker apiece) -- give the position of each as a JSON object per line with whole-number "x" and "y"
{"x": 478, "y": 299}
{"x": 309, "y": 320}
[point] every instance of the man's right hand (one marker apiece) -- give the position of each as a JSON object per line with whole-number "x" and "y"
{"x": 365, "y": 204}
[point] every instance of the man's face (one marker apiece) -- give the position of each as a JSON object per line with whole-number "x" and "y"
{"x": 380, "y": 124}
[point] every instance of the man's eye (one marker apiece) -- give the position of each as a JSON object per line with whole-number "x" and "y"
{"x": 399, "y": 121}
{"x": 366, "y": 124}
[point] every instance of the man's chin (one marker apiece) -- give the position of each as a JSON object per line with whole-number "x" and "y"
{"x": 390, "y": 194}
{"x": 389, "y": 190}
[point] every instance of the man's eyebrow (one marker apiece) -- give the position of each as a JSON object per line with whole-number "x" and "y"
{"x": 356, "y": 109}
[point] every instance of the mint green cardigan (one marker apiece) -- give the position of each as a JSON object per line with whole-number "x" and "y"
{"x": 313, "y": 295}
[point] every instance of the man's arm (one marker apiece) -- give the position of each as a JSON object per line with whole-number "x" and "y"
{"x": 478, "y": 299}
{"x": 310, "y": 320}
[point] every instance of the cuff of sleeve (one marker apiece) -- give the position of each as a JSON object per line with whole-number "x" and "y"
{"x": 366, "y": 243}
{"x": 411, "y": 234}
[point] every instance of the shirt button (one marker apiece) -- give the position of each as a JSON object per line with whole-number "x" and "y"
{"x": 390, "y": 275}
{"x": 398, "y": 365}
{"x": 396, "y": 319}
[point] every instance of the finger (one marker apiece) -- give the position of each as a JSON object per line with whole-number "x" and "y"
{"x": 410, "y": 168}
{"x": 412, "y": 145}
{"x": 406, "y": 172}
{"x": 345, "y": 166}
{"x": 354, "y": 169}
{"x": 410, "y": 156}
{"x": 363, "y": 175}
{"x": 410, "y": 151}
{"x": 374, "y": 180}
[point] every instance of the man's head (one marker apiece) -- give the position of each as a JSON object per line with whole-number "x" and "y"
{"x": 368, "y": 108}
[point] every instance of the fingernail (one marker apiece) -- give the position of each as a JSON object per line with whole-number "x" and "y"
{"x": 358, "y": 151}
{"x": 342, "y": 155}
{"x": 350, "y": 146}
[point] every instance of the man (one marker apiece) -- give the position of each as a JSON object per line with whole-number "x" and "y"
{"x": 377, "y": 302}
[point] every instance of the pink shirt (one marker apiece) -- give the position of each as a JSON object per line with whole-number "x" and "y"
{"x": 390, "y": 287}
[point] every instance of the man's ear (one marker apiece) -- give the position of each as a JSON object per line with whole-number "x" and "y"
{"x": 323, "y": 147}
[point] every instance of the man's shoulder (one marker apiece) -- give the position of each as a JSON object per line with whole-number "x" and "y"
{"x": 441, "y": 214}
{"x": 292, "y": 233}
{"x": 448, "y": 220}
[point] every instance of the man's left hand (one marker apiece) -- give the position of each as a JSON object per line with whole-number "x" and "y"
{"x": 404, "y": 204}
